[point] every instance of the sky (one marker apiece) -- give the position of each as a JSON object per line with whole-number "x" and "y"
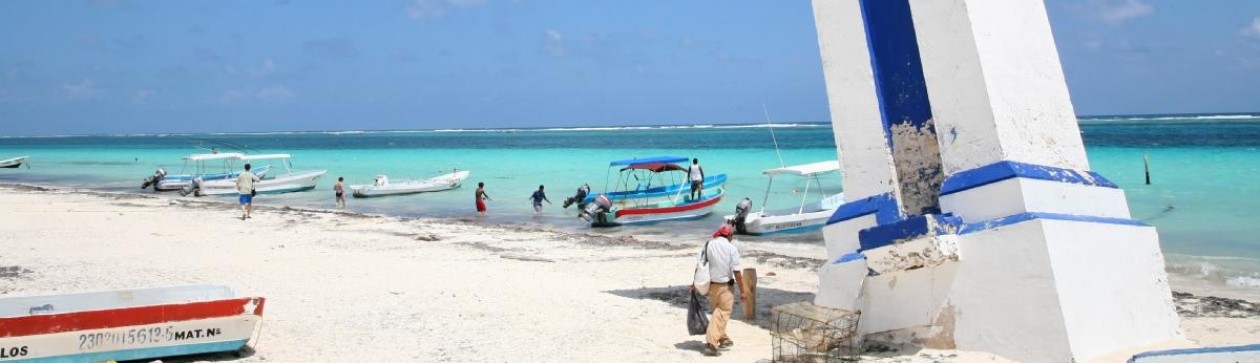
{"x": 122, "y": 66}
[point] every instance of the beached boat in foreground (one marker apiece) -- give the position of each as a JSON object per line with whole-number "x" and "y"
{"x": 13, "y": 162}
{"x": 652, "y": 190}
{"x": 290, "y": 181}
{"x": 127, "y": 324}
{"x": 803, "y": 218}
{"x": 206, "y": 167}
{"x": 383, "y": 186}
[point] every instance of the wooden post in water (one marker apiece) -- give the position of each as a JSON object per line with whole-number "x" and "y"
{"x": 1146, "y": 162}
{"x": 750, "y": 304}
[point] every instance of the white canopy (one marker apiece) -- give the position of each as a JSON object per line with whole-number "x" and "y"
{"x": 216, "y": 156}
{"x": 806, "y": 169}
{"x": 264, "y": 157}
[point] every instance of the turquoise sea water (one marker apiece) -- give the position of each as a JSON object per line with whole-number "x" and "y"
{"x": 1203, "y": 199}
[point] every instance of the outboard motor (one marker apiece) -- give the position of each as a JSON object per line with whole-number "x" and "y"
{"x": 596, "y": 210}
{"x": 154, "y": 179}
{"x": 741, "y": 213}
{"x": 582, "y": 191}
{"x": 193, "y": 188}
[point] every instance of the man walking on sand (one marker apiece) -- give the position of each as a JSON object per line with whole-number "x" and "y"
{"x": 724, "y": 275}
{"x": 245, "y": 187}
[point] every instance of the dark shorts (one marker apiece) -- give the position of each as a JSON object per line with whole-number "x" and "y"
{"x": 246, "y": 199}
{"x": 696, "y": 185}
{"x": 339, "y": 194}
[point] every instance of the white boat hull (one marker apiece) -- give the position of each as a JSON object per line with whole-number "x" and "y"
{"x": 287, "y": 183}
{"x": 771, "y": 222}
{"x": 13, "y": 162}
{"x": 126, "y": 324}
{"x": 435, "y": 184}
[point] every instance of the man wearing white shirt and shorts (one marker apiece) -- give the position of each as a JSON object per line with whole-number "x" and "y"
{"x": 245, "y": 187}
{"x": 696, "y": 174}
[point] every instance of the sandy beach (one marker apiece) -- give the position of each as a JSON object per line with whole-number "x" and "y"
{"x": 354, "y": 287}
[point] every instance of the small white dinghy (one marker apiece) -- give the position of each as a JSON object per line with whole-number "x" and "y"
{"x": 807, "y": 216}
{"x": 13, "y": 163}
{"x": 383, "y": 186}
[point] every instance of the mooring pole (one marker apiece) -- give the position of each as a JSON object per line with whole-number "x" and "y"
{"x": 750, "y": 303}
{"x": 1146, "y": 162}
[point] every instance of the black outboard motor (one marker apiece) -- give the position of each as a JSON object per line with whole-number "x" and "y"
{"x": 597, "y": 210}
{"x": 579, "y": 197}
{"x": 154, "y": 179}
{"x": 741, "y": 213}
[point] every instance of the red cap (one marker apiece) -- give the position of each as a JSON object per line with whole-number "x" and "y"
{"x": 724, "y": 230}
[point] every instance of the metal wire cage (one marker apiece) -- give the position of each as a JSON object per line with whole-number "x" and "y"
{"x": 802, "y": 332}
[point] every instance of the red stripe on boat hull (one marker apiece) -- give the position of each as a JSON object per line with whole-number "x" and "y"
{"x": 681, "y": 208}
{"x": 140, "y": 315}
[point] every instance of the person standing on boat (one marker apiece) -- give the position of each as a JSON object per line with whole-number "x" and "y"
{"x": 696, "y": 174}
{"x": 245, "y": 187}
{"x": 724, "y": 275}
{"x": 340, "y": 188}
{"x": 538, "y": 197}
{"x": 482, "y": 197}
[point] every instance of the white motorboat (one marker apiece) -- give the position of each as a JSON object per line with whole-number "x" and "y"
{"x": 805, "y": 217}
{"x": 383, "y": 186}
{"x": 290, "y": 181}
{"x": 13, "y": 162}
{"x": 212, "y": 166}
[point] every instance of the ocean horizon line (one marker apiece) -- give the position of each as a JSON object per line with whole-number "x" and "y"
{"x": 1225, "y": 116}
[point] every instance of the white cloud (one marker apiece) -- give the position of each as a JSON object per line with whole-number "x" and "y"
{"x": 420, "y": 9}
{"x": 1251, "y": 30}
{"x": 141, "y": 96}
{"x": 257, "y": 71}
{"x": 271, "y": 94}
{"x": 274, "y": 94}
{"x": 554, "y": 43}
{"x": 1117, "y": 13}
{"x": 81, "y": 90}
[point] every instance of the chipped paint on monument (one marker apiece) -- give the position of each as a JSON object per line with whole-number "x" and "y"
{"x": 917, "y": 158}
{"x": 912, "y": 254}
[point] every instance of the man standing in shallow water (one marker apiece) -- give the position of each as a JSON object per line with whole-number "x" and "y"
{"x": 482, "y": 197}
{"x": 245, "y": 187}
{"x": 538, "y": 197}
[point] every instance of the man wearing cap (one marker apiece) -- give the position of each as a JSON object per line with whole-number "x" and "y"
{"x": 724, "y": 273}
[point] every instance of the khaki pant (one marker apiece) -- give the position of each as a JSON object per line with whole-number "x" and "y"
{"x": 723, "y": 300}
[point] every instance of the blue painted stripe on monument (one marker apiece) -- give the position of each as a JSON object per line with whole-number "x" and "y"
{"x": 883, "y": 205}
{"x": 1196, "y": 351}
{"x": 850, "y": 257}
{"x": 929, "y": 224}
{"x": 1024, "y": 217}
{"x": 895, "y": 64}
{"x": 1003, "y": 170}
{"x": 142, "y": 353}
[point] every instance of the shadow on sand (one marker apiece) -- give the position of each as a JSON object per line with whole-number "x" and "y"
{"x": 677, "y": 296}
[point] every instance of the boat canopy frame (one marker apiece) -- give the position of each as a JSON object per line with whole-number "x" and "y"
{"x": 809, "y": 172}
{"x": 652, "y": 169}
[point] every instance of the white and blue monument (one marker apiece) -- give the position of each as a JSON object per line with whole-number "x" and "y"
{"x": 975, "y": 221}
